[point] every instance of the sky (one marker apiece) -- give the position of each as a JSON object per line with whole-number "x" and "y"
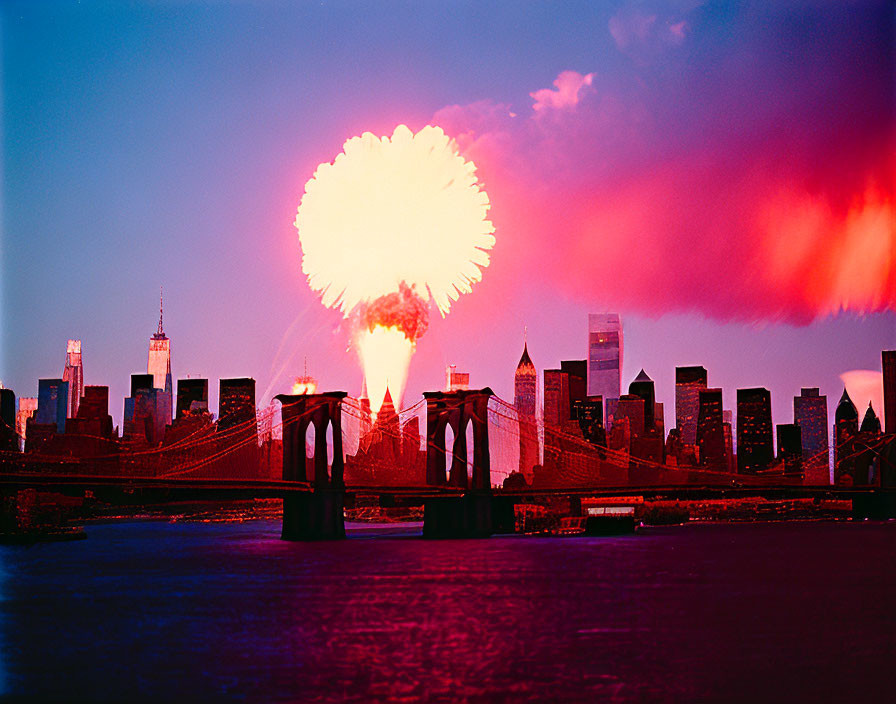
{"x": 721, "y": 174}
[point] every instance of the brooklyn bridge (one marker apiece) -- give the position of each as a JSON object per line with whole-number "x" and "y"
{"x": 458, "y": 453}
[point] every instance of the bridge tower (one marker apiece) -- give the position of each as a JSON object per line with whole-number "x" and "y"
{"x": 315, "y": 515}
{"x": 469, "y": 515}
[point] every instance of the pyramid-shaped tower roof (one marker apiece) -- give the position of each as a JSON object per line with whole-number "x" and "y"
{"x": 870, "y": 423}
{"x": 642, "y": 376}
{"x": 846, "y": 409}
{"x": 525, "y": 361}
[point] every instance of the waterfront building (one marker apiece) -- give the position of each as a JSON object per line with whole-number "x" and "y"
{"x": 888, "y": 365}
{"x": 52, "y": 403}
{"x": 73, "y": 374}
{"x": 688, "y": 382}
{"x": 525, "y": 386}
{"x": 710, "y": 429}
{"x": 810, "y": 413}
{"x": 755, "y": 449}
{"x": 192, "y": 397}
{"x": 643, "y": 386}
{"x": 790, "y": 448}
{"x": 9, "y": 440}
{"x": 236, "y": 403}
{"x": 605, "y": 359}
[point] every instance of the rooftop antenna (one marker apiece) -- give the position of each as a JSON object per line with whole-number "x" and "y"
{"x": 160, "y": 332}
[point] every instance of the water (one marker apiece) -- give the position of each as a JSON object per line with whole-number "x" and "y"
{"x": 156, "y": 611}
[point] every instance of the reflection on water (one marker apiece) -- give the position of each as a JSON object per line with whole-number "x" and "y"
{"x": 153, "y": 610}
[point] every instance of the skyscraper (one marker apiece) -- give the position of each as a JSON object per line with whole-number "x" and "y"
{"x": 688, "y": 382}
{"x": 870, "y": 422}
{"x": 192, "y": 396}
{"x": 525, "y": 385}
{"x": 556, "y": 397}
{"x": 605, "y": 359}
{"x": 755, "y": 449}
{"x": 643, "y": 386}
{"x": 9, "y": 441}
{"x": 236, "y": 403}
{"x": 888, "y": 365}
{"x": 74, "y": 375}
{"x": 710, "y": 429}
{"x": 52, "y": 403}
{"x": 810, "y": 412}
{"x": 790, "y": 448}
{"x": 27, "y": 409}
{"x": 846, "y": 428}
{"x": 159, "y": 365}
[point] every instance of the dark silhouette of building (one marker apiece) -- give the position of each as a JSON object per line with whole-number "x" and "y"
{"x": 888, "y": 365}
{"x": 52, "y": 403}
{"x": 93, "y": 417}
{"x": 755, "y": 449}
{"x": 192, "y": 396}
{"x": 710, "y": 429}
{"x": 846, "y": 427}
{"x": 631, "y": 407}
{"x": 74, "y": 376}
{"x": 590, "y": 417}
{"x": 141, "y": 424}
{"x": 810, "y": 413}
{"x": 525, "y": 385}
{"x": 236, "y": 403}
{"x": 643, "y": 386}
{"x": 9, "y": 440}
{"x": 870, "y": 422}
{"x": 790, "y": 448}
{"x": 688, "y": 382}
{"x": 577, "y": 382}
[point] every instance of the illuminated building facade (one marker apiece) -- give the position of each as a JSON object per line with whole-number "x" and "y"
{"x": 888, "y": 365}
{"x": 525, "y": 388}
{"x": 711, "y": 429}
{"x": 605, "y": 359}
{"x": 688, "y": 383}
{"x": 755, "y": 448}
{"x": 74, "y": 376}
{"x": 556, "y": 397}
{"x": 810, "y": 413}
{"x": 27, "y": 409}
{"x": 159, "y": 365}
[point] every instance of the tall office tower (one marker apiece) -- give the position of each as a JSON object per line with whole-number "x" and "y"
{"x": 605, "y": 359}
{"x": 846, "y": 427}
{"x": 888, "y": 365}
{"x": 9, "y": 441}
{"x": 643, "y": 386}
{"x": 556, "y": 397}
{"x": 74, "y": 375}
{"x": 727, "y": 418}
{"x": 236, "y": 403}
{"x": 192, "y": 397}
{"x": 755, "y": 449}
{"x": 93, "y": 419}
{"x": 870, "y": 422}
{"x": 159, "y": 365}
{"x": 576, "y": 371}
{"x": 710, "y": 428}
{"x": 455, "y": 380}
{"x": 27, "y": 409}
{"x": 810, "y": 412}
{"x": 52, "y": 403}
{"x": 140, "y": 417}
{"x": 790, "y": 448}
{"x": 631, "y": 407}
{"x": 688, "y": 382}
{"x": 525, "y": 386}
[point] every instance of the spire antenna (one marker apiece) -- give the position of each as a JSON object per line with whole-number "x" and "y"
{"x": 160, "y": 332}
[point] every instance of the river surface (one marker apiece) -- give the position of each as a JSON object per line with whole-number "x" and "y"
{"x": 159, "y": 611}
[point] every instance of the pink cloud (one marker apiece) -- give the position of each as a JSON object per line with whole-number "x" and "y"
{"x": 569, "y": 85}
{"x": 865, "y": 386}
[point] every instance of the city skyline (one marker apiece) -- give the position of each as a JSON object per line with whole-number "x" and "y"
{"x": 162, "y": 175}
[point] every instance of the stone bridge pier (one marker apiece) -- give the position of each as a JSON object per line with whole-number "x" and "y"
{"x": 472, "y": 514}
{"x": 315, "y": 515}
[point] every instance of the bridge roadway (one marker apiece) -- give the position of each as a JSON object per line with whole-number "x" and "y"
{"x": 160, "y": 489}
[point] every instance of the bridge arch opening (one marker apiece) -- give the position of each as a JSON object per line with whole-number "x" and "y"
{"x": 470, "y": 440}
{"x": 329, "y": 439}
{"x": 448, "y": 455}
{"x": 310, "y": 439}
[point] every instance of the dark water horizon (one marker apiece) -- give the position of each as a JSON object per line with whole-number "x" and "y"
{"x": 155, "y": 610}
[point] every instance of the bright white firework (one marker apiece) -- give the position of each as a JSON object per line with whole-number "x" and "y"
{"x": 391, "y": 224}
{"x": 386, "y": 211}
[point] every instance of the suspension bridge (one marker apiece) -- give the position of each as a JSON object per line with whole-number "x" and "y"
{"x": 458, "y": 453}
